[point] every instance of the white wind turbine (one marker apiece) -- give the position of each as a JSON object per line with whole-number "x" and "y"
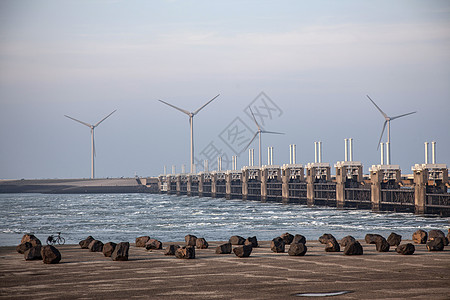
{"x": 92, "y": 127}
{"x": 388, "y": 122}
{"x": 191, "y": 122}
{"x": 259, "y": 131}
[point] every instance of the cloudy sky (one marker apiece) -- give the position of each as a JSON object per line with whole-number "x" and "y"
{"x": 304, "y": 67}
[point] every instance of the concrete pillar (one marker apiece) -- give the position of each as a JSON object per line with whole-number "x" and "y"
{"x": 188, "y": 185}
{"x": 264, "y": 173}
{"x": 201, "y": 178}
{"x": 420, "y": 191}
{"x": 285, "y": 178}
{"x": 376, "y": 177}
{"x": 213, "y": 185}
{"x": 178, "y": 179}
{"x": 310, "y": 179}
{"x": 341, "y": 178}
{"x": 228, "y": 186}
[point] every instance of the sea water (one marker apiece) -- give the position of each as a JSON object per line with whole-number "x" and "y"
{"x": 123, "y": 217}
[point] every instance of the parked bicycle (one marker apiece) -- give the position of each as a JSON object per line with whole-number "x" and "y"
{"x": 58, "y": 239}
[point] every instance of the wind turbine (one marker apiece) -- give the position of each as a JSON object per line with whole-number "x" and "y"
{"x": 387, "y": 120}
{"x": 259, "y": 132}
{"x": 92, "y": 127}
{"x": 191, "y": 122}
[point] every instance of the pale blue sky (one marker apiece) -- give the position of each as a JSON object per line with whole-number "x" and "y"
{"x": 316, "y": 60}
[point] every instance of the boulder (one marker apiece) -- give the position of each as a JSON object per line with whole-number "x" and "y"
{"x": 372, "y": 238}
{"x": 436, "y": 244}
{"x": 448, "y": 236}
{"x": 95, "y": 246}
{"x": 405, "y": 249}
{"x": 277, "y": 245}
{"x": 120, "y": 253}
{"x": 34, "y": 253}
{"x": 201, "y": 243}
{"x": 420, "y": 237}
{"x": 382, "y": 244}
{"x": 187, "y": 252}
{"x": 50, "y": 255}
{"x": 251, "y": 241}
{"x": 243, "y": 251}
{"x": 332, "y": 246}
{"x": 299, "y": 239}
{"x": 108, "y": 249}
{"x": 171, "y": 249}
{"x": 23, "y": 247}
{"x": 237, "y": 240}
{"x": 287, "y": 238}
{"x": 224, "y": 249}
{"x": 347, "y": 241}
{"x": 297, "y": 249}
{"x": 30, "y": 238}
{"x": 353, "y": 248}
{"x": 191, "y": 240}
{"x": 142, "y": 240}
{"x": 326, "y": 237}
{"x": 394, "y": 239}
{"x": 432, "y": 234}
{"x": 153, "y": 244}
{"x": 84, "y": 244}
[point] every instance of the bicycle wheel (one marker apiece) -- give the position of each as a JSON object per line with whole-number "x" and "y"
{"x": 60, "y": 240}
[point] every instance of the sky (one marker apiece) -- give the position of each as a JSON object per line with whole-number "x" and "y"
{"x": 305, "y": 69}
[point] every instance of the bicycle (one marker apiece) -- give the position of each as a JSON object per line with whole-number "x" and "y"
{"x": 52, "y": 240}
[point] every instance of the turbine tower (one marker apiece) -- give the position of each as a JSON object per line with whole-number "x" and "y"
{"x": 387, "y": 120}
{"x": 92, "y": 127}
{"x": 259, "y": 132}
{"x": 191, "y": 122}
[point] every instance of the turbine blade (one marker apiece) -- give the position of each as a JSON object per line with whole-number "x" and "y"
{"x": 88, "y": 125}
{"x": 196, "y": 112}
{"x": 251, "y": 141}
{"x": 396, "y": 117}
{"x": 382, "y": 131}
{"x": 382, "y": 112}
{"x": 98, "y": 123}
{"x": 254, "y": 119}
{"x": 177, "y": 108}
{"x": 271, "y": 132}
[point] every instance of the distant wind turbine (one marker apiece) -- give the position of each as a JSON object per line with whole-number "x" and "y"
{"x": 92, "y": 127}
{"x": 388, "y": 122}
{"x": 191, "y": 122}
{"x": 259, "y": 131}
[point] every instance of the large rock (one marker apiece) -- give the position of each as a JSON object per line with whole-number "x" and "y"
{"x": 30, "y": 238}
{"x": 153, "y": 244}
{"x": 95, "y": 246}
{"x": 420, "y": 237}
{"x": 34, "y": 253}
{"x": 251, "y": 240}
{"x": 372, "y": 238}
{"x": 277, "y": 245}
{"x": 50, "y": 255}
{"x": 191, "y": 240}
{"x": 121, "y": 252}
{"x": 297, "y": 249}
{"x": 108, "y": 249}
{"x": 171, "y": 249}
{"x": 326, "y": 237}
{"x": 406, "y": 249}
{"x": 332, "y": 246}
{"x": 299, "y": 239}
{"x": 201, "y": 243}
{"x": 187, "y": 252}
{"x": 436, "y": 244}
{"x": 347, "y": 241}
{"x": 394, "y": 239}
{"x": 243, "y": 251}
{"x": 287, "y": 238}
{"x": 236, "y": 240}
{"x": 23, "y": 247}
{"x": 84, "y": 244}
{"x": 142, "y": 240}
{"x": 382, "y": 245}
{"x": 353, "y": 248}
{"x": 224, "y": 249}
{"x": 432, "y": 234}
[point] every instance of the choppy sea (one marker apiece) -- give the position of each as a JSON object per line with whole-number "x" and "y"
{"x": 123, "y": 217}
